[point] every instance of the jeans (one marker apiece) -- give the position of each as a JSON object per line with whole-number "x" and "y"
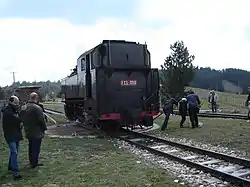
{"x": 183, "y": 119}
{"x": 34, "y": 150}
{"x": 13, "y": 161}
{"x": 214, "y": 107}
{"x": 165, "y": 123}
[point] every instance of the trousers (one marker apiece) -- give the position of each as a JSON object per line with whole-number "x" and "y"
{"x": 193, "y": 111}
{"x": 34, "y": 150}
{"x": 214, "y": 107}
{"x": 165, "y": 123}
{"x": 13, "y": 158}
{"x": 183, "y": 119}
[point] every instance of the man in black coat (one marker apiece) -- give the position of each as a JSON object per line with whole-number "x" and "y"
{"x": 168, "y": 109}
{"x": 183, "y": 110}
{"x": 34, "y": 126}
{"x": 193, "y": 108}
{"x": 12, "y": 133}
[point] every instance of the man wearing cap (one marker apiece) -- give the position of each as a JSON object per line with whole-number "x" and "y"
{"x": 34, "y": 126}
{"x": 12, "y": 134}
{"x": 213, "y": 99}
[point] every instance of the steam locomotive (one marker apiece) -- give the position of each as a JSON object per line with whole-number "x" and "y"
{"x": 113, "y": 83}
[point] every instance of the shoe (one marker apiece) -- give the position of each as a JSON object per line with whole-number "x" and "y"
{"x": 17, "y": 177}
{"x": 34, "y": 166}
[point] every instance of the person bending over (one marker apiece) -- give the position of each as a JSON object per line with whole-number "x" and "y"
{"x": 193, "y": 108}
{"x": 168, "y": 109}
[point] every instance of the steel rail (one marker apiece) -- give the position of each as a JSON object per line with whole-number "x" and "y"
{"x": 239, "y": 180}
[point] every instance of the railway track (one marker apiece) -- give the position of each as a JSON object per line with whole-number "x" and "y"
{"x": 228, "y": 168}
{"x": 55, "y": 112}
{"x": 201, "y": 114}
{"x": 218, "y": 115}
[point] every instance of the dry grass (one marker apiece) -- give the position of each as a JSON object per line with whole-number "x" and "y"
{"x": 82, "y": 162}
{"x": 227, "y": 132}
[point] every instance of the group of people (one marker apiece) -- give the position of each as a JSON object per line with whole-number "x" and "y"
{"x": 190, "y": 104}
{"x": 30, "y": 117}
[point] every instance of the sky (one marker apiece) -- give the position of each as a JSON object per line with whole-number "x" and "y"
{"x": 41, "y": 40}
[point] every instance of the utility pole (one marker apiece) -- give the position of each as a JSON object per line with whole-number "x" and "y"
{"x": 14, "y": 77}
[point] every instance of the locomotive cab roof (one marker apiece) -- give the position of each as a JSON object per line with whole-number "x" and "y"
{"x": 106, "y": 42}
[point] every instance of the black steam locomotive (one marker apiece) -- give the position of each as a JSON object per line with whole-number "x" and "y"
{"x": 113, "y": 83}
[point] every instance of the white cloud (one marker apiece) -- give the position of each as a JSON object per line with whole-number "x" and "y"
{"x": 47, "y": 49}
{"x": 213, "y": 30}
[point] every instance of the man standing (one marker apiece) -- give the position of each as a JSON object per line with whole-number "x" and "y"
{"x": 193, "y": 108}
{"x": 12, "y": 134}
{"x": 212, "y": 99}
{"x": 34, "y": 126}
{"x": 168, "y": 109}
{"x": 183, "y": 110}
{"x": 247, "y": 104}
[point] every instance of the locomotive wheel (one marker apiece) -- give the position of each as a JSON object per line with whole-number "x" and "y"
{"x": 68, "y": 112}
{"x": 148, "y": 121}
{"x": 99, "y": 125}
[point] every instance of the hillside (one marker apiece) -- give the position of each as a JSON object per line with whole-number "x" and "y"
{"x": 230, "y": 80}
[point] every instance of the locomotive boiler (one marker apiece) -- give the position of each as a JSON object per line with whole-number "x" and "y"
{"x": 113, "y": 83}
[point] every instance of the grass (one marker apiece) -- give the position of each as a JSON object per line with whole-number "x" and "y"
{"x": 227, "y": 132}
{"x": 82, "y": 162}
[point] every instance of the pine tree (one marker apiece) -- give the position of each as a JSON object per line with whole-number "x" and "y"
{"x": 178, "y": 70}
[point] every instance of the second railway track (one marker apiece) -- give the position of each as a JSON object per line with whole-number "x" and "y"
{"x": 228, "y": 168}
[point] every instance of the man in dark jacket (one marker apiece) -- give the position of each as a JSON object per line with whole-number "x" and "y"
{"x": 183, "y": 110}
{"x": 168, "y": 109}
{"x": 12, "y": 133}
{"x": 193, "y": 108}
{"x": 34, "y": 126}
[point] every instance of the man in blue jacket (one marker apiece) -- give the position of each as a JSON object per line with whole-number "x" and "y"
{"x": 193, "y": 108}
{"x": 12, "y": 133}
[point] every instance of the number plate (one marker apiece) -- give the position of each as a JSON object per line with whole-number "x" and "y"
{"x": 128, "y": 82}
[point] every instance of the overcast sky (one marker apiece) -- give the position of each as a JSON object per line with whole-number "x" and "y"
{"x": 41, "y": 40}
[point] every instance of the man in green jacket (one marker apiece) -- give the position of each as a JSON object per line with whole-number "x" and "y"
{"x": 34, "y": 126}
{"x": 12, "y": 133}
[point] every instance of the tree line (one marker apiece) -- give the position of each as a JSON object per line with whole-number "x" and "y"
{"x": 178, "y": 72}
{"x": 48, "y": 90}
